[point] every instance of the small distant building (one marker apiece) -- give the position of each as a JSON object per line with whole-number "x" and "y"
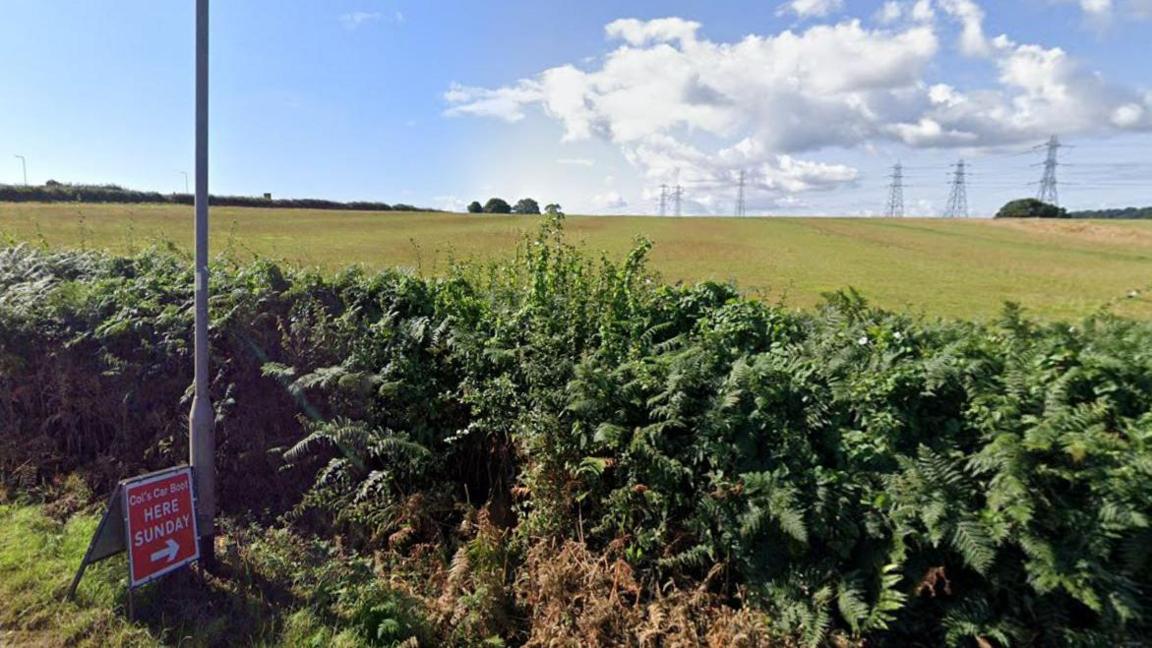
{"x": 267, "y": 196}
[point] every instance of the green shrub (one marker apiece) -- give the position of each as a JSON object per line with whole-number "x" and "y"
{"x": 853, "y": 473}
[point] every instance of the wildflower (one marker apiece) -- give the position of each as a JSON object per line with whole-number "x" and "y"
{"x": 863, "y": 341}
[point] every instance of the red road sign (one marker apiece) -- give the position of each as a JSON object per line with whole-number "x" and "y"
{"x": 160, "y": 524}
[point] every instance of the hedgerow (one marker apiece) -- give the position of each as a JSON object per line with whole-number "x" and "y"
{"x": 845, "y": 475}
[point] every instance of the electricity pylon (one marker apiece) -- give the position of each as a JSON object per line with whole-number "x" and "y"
{"x": 896, "y": 193}
{"x": 1048, "y": 185}
{"x": 958, "y": 197}
{"x": 740, "y": 206}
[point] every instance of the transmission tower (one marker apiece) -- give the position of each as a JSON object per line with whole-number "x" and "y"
{"x": 677, "y": 193}
{"x": 740, "y": 207}
{"x": 896, "y": 193}
{"x": 1048, "y": 191}
{"x": 663, "y": 200}
{"x": 958, "y": 198}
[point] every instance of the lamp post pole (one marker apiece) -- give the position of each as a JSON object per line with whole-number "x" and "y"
{"x": 24, "y": 166}
{"x": 201, "y": 421}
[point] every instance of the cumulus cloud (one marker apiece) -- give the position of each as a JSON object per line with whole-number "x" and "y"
{"x": 811, "y": 8}
{"x": 675, "y": 102}
{"x": 973, "y": 42}
{"x": 662, "y": 30}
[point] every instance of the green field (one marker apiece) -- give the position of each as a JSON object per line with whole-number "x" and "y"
{"x": 966, "y": 268}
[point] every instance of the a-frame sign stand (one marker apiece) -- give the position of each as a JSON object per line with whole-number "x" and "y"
{"x": 153, "y": 518}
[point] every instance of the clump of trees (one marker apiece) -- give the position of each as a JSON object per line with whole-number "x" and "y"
{"x": 1031, "y": 208}
{"x": 501, "y": 206}
{"x": 526, "y": 206}
{"x": 497, "y": 206}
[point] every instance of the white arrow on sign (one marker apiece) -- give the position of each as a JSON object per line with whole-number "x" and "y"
{"x": 169, "y": 551}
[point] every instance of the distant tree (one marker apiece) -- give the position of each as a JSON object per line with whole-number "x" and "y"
{"x": 526, "y": 206}
{"x": 553, "y": 209}
{"x": 1031, "y": 208}
{"x": 497, "y": 206}
{"x": 475, "y": 207}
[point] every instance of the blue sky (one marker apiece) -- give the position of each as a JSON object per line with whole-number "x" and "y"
{"x": 439, "y": 103}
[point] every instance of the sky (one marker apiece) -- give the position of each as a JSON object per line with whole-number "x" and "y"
{"x": 595, "y": 104}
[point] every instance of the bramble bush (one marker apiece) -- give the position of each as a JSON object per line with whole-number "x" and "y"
{"x": 849, "y": 474}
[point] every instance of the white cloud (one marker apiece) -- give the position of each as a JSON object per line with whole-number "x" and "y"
{"x": 584, "y": 162}
{"x": 1129, "y": 115}
{"x": 503, "y": 103}
{"x": 811, "y": 8}
{"x": 609, "y": 200}
{"x": 1097, "y": 7}
{"x": 1102, "y": 12}
{"x": 891, "y": 12}
{"x": 449, "y": 203}
{"x": 356, "y": 19}
{"x": 671, "y": 100}
{"x": 642, "y": 32}
{"x": 922, "y": 11}
{"x": 973, "y": 42}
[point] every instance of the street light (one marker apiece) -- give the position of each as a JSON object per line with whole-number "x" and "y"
{"x": 185, "y": 174}
{"x": 201, "y": 420}
{"x": 24, "y": 165}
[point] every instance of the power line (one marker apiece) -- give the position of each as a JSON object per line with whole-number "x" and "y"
{"x": 896, "y": 193}
{"x": 958, "y": 197}
{"x": 1048, "y": 189}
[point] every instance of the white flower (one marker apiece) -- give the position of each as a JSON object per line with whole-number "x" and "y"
{"x": 863, "y": 341}
{"x": 898, "y": 335}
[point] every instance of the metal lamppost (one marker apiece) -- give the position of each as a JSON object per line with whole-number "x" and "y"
{"x": 201, "y": 421}
{"x": 24, "y": 165}
{"x": 185, "y": 174}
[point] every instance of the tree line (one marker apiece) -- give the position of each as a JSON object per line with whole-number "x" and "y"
{"x": 1033, "y": 208}
{"x": 57, "y": 192}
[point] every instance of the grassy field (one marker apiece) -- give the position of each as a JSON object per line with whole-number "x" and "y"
{"x": 965, "y": 268}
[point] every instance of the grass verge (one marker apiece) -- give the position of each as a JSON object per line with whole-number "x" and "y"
{"x": 274, "y": 590}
